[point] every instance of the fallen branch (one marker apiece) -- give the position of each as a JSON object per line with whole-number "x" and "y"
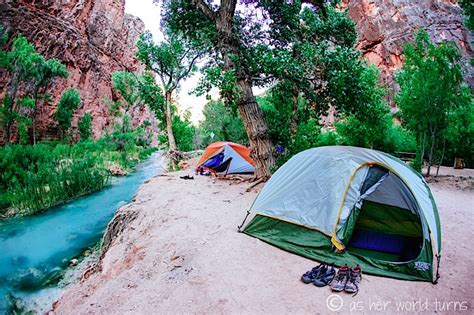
{"x": 255, "y": 184}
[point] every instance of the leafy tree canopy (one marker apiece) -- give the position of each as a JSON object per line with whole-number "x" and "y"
{"x": 220, "y": 123}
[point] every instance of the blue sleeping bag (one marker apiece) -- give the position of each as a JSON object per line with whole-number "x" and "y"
{"x": 214, "y": 161}
{"x": 382, "y": 242}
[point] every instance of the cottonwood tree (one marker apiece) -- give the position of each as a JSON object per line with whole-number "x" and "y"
{"x": 172, "y": 61}
{"x": 252, "y": 45}
{"x": 219, "y": 27}
{"x": 431, "y": 89}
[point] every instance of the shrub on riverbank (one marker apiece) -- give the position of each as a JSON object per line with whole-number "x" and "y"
{"x": 34, "y": 178}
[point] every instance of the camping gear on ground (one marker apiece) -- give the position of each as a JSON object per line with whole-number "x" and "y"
{"x": 353, "y": 280}
{"x": 339, "y": 282}
{"x": 325, "y": 276}
{"x": 351, "y": 205}
{"x": 224, "y": 167}
{"x": 309, "y": 276}
{"x": 186, "y": 177}
{"x": 228, "y": 158}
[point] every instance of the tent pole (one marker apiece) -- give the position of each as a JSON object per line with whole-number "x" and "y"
{"x": 245, "y": 219}
{"x": 227, "y": 170}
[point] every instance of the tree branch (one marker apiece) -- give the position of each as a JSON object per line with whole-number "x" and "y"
{"x": 227, "y": 8}
{"x": 205, "y": 9}
{"x": 190, "y": 67}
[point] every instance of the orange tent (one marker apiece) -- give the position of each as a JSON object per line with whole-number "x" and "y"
{"x": 240, "y": 162}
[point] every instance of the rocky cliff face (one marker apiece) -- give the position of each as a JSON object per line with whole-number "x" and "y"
{"x": 384, "y": 26}
{"x": 92, "y": 38}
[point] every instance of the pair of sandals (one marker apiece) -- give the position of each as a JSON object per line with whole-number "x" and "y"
{"x": 187, "y": 177}
{"x": 320, "y": 275}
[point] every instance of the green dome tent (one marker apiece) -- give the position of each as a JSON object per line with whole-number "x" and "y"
{"x": 351, "y": 205}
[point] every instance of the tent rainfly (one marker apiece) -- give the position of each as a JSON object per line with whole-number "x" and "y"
{"x": 351, "y": 205}
{"x": 227, "y": 157}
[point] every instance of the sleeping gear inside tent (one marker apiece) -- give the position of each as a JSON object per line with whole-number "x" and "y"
{"x": 227, "y": 157}
{"x": 214, "y": 161}
{"x": 351, "y": 205}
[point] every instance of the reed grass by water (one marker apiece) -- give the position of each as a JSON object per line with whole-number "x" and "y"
{"x": 34, "y": 178}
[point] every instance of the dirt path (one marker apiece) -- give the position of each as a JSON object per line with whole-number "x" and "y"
{"x": 182, "y": 254}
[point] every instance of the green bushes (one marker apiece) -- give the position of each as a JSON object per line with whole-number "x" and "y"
{"x": 184, "y": 131}
{"x": 221, "y": 123}
{"x": 372, "y": 127}
{"x": 70, "y": 101}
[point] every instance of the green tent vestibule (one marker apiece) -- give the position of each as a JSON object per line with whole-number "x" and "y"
{"x": 351, "y": 205}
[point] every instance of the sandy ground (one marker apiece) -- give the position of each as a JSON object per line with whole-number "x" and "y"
{"x": 183, "y": 255}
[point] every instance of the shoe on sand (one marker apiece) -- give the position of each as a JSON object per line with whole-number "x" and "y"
{"x": 339, "y": 282}
{"x": 355, "y": 276}
{"x": 310, "y": 275}
{"x": 325, "y": 276}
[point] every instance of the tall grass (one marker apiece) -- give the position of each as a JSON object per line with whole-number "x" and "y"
{"x": 34, "y": 178}
{"x": 55, "y": 184}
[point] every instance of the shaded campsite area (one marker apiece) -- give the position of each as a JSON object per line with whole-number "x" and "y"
{"x": 182, "y": 253}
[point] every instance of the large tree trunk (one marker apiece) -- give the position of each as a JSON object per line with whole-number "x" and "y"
{"x": 252, "y": 115}
{"x": 257, "y": 131}
{"x": 169, "y": 122}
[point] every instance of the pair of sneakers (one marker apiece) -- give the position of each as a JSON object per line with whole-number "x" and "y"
{"x": 347, "y": 279}
{"x": 320, "y": 275}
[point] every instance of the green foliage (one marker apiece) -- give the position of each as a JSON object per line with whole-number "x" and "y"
{"x": 85, "y": 126}
{"x": 431, "y": 89}
{"x": 152, "y": 95}
{"x": 417, "y": 163}
{"x": 364, "y": 118}
{"x": 33, "y": 178}
{"x": 69, "y": 102}
{"x": 127, "y": 84}
{"x": 460, "y": 134}
{"x": 184, "y": 132}
{"x": 468, "y": 7}
{"x": 29, "y": 72}
{"x": 172, "y": 60}
{"x": 39, "y": 177}
{"x": 23, "y": 131}
{"x": 220, "y": 123}
{"x": 308, "y": 56}
{"x": 367, "y": 125}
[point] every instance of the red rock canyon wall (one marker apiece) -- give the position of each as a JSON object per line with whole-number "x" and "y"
{"x": 384, "y": 26}
{"x": 92, "y": 38}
